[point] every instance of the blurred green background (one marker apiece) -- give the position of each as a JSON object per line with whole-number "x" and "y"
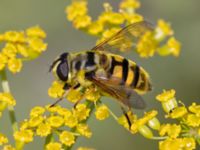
{"x": 30, "y": 86}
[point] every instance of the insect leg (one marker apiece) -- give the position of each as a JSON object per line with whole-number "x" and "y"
{"x": 126, "y": 115}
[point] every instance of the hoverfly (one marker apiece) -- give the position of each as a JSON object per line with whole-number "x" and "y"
{"x": 112, "y": 74}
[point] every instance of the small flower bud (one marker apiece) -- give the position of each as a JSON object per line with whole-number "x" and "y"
{"x": 154, "y": 123}
{"x": 145, "y": 131}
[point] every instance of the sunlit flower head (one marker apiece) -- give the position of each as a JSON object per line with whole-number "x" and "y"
{"x": 172, "y": 130}
{"x": 84, "y": 130}
{"x": 81, "y": 111}
{"x": 56, "y": 90}
{"x": 3, "y": 139}
{"x": 55, "y": 121}
{"x": 67, "y": 138}
{"x": 77, "y": 8}
{"x": 102, "y": 112}
{"x": 53, "y": 146}
{"x": 37, "y": 111}
{"x": 43, "y": 129}
{"x": 24, "y": 136}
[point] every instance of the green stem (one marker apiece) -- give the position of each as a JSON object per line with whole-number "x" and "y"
{"x": 159, "y": 138}
{"x": 6, "y": 88}
{"x": 89, "y": 105}
{"x": 48, "y": 139}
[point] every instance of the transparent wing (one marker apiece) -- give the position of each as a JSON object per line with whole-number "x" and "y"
{"x": 126, "y": 38}
{"x": 123, "y": 94}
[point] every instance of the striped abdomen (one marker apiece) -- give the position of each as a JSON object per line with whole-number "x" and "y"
{"x": 130, "y": 73}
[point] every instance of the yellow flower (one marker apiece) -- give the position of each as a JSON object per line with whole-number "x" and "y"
{"x": 74, "y": 95}
{"x": 71, "y": 121}
{"x": 55, "y": 121}
{"x": 3, "y": 139}
{"x": 37, "y": 44}
{"x": 92, "y": 94}
{"x": 24, "y": 125}
{"x": 95, "y": 28}
{"x": 147, "y": 45}
{"x": 174, "y": 46}
{"x": 139, "y": 124}
{"x": 25, "y": 136}
{"x": 85, "y": 148}
{"x": 8, "y": 98}
{"x": 168, "y": 100}
{"x": 77, "y": 8}
{"x": 56, "y": 90}
{"x": 53, "y": 109}
{"x": 149, "y": 115}
{"x": 129, "y": 4}
{"x": 195, "y": 109}
{"x": 10, "y": 50}
{"x": 81, "y": 111}
{"x": 35, "y": 32}
{"x": 172, "y": 131}
{"x": 37, "y": 111}
{"x": 2, "y": 37}
{"x": 8, "y": 147}
{"x": 67, "y": 138}
{"x": 53, "y": 146}
{"x": 108, "y": 33}
{"x": 82, "y": 22}
{"x": 64, "y": 112}
{"x": 15, "y": 65}
{"x": 178, "y": 112}
{"x": 22, "y": 49}
{"x": 132, "y": 18}
{"x": 188, "y": 143}
{"x": 35, "y": 121}
{"x": 84, "y": 130}
{"x": 177, "y": 144}
{"x": 43, "y": 129}
{"x": 3, "y": 61}
{"x": 102, "y": 112}
{"x": 14, "y": 36}
{"x": 192, "y": 120}
{"x": 115, "y": 18}
{"x": 163, "y": 29}
{"x": 173, "y": 144}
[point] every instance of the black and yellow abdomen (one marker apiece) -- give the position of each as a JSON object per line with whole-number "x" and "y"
{"x": 129, "y": 72}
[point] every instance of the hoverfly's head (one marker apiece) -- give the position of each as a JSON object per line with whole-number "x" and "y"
{"x": 61, "y": 67}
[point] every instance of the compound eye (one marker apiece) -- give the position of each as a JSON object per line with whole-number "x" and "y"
{"x": 62, "y": 71}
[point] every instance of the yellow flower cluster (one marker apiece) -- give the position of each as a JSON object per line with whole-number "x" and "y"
{"x": 185, "y": 134}
{"x": 20, "y": 46}
{"x": 47, "y": 120}
{"x": 160, "y": 40}
{"x": 4, "y": 143}
{"x": 6, "y": 99}
{"x": 3, "y": 139}
{"x": 141, "y": 125}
